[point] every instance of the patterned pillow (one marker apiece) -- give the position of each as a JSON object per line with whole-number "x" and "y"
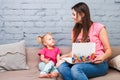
{"x": 115, "y": 62}
{"x": 13, "y": 56}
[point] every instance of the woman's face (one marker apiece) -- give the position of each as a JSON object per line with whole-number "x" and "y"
{"x": 76, "y": 17}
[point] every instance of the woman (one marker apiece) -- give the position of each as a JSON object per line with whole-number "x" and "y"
{"x": 87, "y": 31}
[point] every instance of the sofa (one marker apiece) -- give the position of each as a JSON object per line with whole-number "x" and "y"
{"x": 32, "y": 73}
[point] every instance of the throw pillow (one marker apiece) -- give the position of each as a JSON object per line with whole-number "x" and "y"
{"x": 115, "y": 62}
{"x": 13, "y": 56}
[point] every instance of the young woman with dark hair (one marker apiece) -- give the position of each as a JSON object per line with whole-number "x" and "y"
{"x": 85, "y": 30}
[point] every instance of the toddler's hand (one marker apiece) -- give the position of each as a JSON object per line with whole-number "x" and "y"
{"x": 46, "y": 60}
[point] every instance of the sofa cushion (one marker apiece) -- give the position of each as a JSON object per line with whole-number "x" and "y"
{"x": 32, "y": 57}
{"x": 115, "y": 62}
{"x": 13, "y": 56}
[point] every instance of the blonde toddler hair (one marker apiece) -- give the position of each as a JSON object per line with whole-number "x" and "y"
{"x": 41, "y": 39}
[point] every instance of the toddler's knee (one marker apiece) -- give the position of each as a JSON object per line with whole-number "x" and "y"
{"x": 77, "y": 67}
{"x": 51, "y": 63}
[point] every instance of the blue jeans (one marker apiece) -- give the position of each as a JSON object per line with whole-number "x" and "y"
{"x": 82, "y": 71}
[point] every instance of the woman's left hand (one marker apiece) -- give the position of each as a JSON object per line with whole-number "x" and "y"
{"x": 98, "y": 60}
{"x": 59, "y": 62}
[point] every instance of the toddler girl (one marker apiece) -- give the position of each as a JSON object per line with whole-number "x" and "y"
{"x": 49, "y": 55}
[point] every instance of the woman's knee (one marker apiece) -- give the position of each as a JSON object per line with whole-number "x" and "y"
{"x": 77, "y": 67}
{"x": 51, "y": 63}
{"x": 61, "y": 66}
{"x": 78, "y": 73}
{"x": 76, "y": 70}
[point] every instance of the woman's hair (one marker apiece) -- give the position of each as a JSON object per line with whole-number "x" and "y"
{"x": 41, "y": 39}
{"x": 82, "y": 8}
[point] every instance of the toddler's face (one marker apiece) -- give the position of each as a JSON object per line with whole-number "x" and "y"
{"x": 49, "y": 40}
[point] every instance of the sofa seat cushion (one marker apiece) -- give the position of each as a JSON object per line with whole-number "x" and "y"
{"x": 111, "y": 75}
{"x": 19, "y": 75}
{"x": 31, "y": 74}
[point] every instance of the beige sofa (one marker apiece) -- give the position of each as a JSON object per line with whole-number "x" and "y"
{"x": 33, "y": 73}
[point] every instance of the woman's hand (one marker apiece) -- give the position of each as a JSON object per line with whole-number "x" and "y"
{"x": 66, "y": 55}
{"x": 98, "y": 59}
{"x": 59, "y": 62}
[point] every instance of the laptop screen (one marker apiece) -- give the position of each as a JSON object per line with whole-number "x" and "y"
{"x": 83, "y": 51}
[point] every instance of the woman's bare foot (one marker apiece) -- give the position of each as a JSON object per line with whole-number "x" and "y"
{"x": 44, "y": 76}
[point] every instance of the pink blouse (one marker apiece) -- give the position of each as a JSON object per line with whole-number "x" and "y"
{"x": 50, "y": 53}
{"x": 94, "y": 37}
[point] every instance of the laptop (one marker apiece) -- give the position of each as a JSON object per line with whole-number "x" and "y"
{"x": 82, "y": 53}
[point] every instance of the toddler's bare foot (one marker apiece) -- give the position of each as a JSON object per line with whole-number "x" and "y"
{"x": 54, "y": 74}
{"x": 44, "y": 76}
